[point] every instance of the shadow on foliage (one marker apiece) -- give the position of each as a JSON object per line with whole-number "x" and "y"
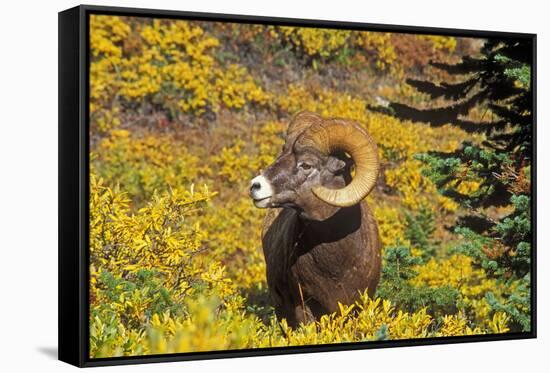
{"x": 258, "y": 302}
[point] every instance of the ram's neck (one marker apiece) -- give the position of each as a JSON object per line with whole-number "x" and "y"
{"x": 343, "y": 222}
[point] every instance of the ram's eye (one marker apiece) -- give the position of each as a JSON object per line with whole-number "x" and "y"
{"x": 305, "y": 166}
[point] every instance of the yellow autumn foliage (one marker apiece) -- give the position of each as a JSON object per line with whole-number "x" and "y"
{"x": 176, "y": 263}
{"x": 316, "y": 41}
{"x": 165, "y": 61}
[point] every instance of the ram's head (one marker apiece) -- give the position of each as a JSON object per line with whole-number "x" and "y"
{"x": 316, "y": 166}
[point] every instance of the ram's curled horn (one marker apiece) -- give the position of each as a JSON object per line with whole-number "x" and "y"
{"x": 301, "y": 121}
{"x": 338, "y": 135}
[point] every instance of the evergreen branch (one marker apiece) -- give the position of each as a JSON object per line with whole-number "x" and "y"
{"x": 445, "y": 90}
{"x": 439, "y": 116}
{"x": 467, "y": 65}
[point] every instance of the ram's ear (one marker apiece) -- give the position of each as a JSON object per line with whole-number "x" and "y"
{"x": 335, "y": 165}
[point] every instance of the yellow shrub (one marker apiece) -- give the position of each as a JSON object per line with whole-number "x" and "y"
{"x": 380, "y": 44}
{"x": 234, "y": 229}
{"x": 154, "y": 238}
{"x": 242, "y": 161}
{"x": 144, "y": 164}
{"x": 456, "y": 325}
{"x": 458, "y": 271}
{"x": 391, "y": 225}
{"x": 440, "y": 42}
{"x": 214, "y": 325}
{"x": 316, "y": 41}
{"x": 237, "y": 88}
{"x": 410, "y": 183}
{"x": 166, "y": 61}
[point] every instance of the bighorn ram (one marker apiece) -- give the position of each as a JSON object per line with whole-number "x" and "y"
{"x": 320, "y": 239}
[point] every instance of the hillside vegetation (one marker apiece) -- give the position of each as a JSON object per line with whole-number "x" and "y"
{"x": 182, "y": 116}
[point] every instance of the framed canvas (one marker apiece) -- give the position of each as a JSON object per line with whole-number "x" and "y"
{"x": 234, "y": 186}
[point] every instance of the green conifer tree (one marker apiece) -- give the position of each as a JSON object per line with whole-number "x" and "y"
{"x": 496, "y": 221}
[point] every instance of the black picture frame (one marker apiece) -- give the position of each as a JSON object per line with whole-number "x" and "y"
{"x": 73, "y": 42}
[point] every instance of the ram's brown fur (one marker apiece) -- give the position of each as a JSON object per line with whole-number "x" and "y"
{"x": 313, "y": 264}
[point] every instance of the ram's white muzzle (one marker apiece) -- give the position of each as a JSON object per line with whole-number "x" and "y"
{"x": 261, "y": 191}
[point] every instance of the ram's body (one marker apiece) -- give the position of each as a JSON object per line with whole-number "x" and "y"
{"x": 311, "y": 266}
{"x": 320, "y": 239}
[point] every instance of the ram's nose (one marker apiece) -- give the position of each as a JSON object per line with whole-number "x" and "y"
{"x": 260, "y": 188}
{"x": 254, "y": 186}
